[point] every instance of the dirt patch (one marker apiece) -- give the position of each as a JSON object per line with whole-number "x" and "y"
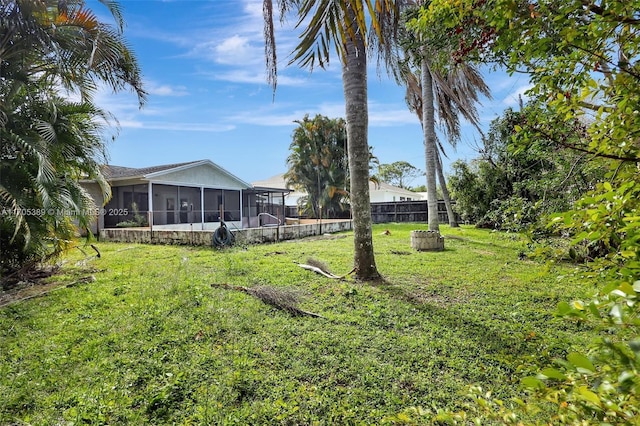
{"x": 484, "y": 252}
{"x": 317, "y": 237}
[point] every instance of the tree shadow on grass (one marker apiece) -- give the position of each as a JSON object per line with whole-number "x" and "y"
{"x": 450, "y": 315}
{"x": 476, "y": 242}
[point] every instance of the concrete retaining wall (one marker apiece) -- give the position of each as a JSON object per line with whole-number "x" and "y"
{"x": 204, "y": 238}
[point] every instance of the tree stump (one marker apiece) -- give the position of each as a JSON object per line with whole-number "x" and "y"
{"x": 427, "y": 241}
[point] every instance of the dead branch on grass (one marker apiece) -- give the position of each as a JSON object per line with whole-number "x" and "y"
{"x": 83, "y": 280}
{"x": 283, "y": 299}
{"x": 320, "y": 268}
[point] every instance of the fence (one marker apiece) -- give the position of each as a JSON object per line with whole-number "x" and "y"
{"x": 405, "y": 211}
{"x": 204, "y": 238}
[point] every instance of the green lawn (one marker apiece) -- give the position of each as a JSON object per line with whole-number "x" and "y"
{"x": 151, "y": 341}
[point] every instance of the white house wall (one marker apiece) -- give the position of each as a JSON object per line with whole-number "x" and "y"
{"x": 388, "y": 196}
{"x": 376, "y": 195}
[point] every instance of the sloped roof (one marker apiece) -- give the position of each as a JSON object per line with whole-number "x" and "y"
{"x": 278, "y": 181}
{"x": 116, "y": 173}
{"x": 112, "y": 172}
{"x": 383, "y": 186}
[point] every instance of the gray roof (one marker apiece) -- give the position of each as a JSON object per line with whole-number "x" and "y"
{"x": 118, "y": 172}
{"x": 276, "y": 181}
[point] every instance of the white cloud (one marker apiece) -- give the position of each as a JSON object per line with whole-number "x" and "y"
{"x": 166, "y": 90}
{"x": 266, "y": 118}
{"x": 176, "y": 126}
{"x": 253, "y": 77}
{"x": 237, "y": 50}
{"x": 380, "y": 115}
{"x": 392, "y": 118}
{"x": 253, "y": 8}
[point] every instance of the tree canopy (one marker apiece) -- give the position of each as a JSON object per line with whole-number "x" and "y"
{"x": 398, "y": 173}
{"x": 514, "y": 187}
{"x": 49, "y": 51}
{"x": 318, "y": 165}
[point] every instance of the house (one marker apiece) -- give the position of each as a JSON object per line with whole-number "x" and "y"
{"x": 383, "y": 192}
{"x": 378, "y": 192}
{"x": 194, "y": 195}
{"x": 290, "y": 199}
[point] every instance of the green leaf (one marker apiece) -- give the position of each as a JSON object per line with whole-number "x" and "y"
{"x": 628, "y": 254}
{"x": 581, "y": 362}
{"x": 532, "y": 383}
{"x": 627, "y": 289}
{"x": 563, "y": 308}
{"x": 552, "y": 373}
{"x": 588, "y": 395}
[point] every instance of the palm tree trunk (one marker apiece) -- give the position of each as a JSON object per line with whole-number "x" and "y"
{"x": 445, "y": 193}
{"x": 430, "y": 148}
{"x": 354, "y": 78}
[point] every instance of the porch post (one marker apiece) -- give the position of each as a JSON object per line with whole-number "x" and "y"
{"x": 150, "y": 212}
{"x": 241, "y": 209}
{"x": 202, "y": 207}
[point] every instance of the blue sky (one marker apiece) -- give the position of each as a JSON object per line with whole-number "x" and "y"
{"x": 203, "y": 66}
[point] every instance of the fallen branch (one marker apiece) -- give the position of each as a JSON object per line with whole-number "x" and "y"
{"x": 84, "y": 280}
{"x": 283, "y": 299}
{"x": 322, "y": 269}
{"x": 97, "y": 251}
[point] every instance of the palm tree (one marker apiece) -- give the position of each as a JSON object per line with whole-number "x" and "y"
{"x": 49, "y": 142}
{"x": 451, "y": 89}
{"x": 414, "y": 101}
{"x": 351, "y": 26}
{"x": 62, "y": 42}
{"x": 430, "y": 147}
{"x": 317, "y": 165}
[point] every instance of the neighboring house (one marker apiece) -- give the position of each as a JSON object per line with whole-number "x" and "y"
{"x": 194, "y": 195}
{"x": 290, "y": 199}
{"x": 383, "y": 192}
{"x": 378, "y": 192}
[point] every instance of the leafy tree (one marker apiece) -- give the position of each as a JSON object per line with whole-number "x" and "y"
{"x": 398, "y": 173}
{"x": 50, "y": 143}
{"x": 583, "y": 58}
{"x": 351, "y": 27}
{"x": 318, "y": 165}
{"x": 512, "y": 187}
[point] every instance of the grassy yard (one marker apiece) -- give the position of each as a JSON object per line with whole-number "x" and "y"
{"x": 151, "y": 341}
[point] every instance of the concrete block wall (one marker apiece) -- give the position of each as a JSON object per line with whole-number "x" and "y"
{"x": 204, "y": 238}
